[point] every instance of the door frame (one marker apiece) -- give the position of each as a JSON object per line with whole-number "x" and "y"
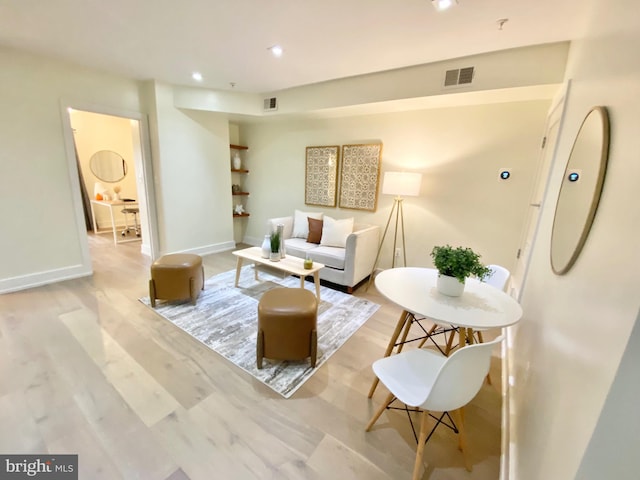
{"x": 529, "y": 235}
{"x": 145, "y": 177}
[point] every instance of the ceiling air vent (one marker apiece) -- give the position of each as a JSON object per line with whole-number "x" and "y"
{"x": 459, "y": 76}
{"x": 270, "y": 104}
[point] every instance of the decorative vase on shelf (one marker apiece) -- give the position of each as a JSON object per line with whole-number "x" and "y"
{"x": 237, "y": 162}
{"x": 449, "y": 286}
{"x": 266, "y": 246}
{"x": 274, "y": 256}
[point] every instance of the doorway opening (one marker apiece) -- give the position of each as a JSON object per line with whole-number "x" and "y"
{"x": 110, "y": 155}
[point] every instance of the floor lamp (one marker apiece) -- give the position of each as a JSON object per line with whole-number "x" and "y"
{"x": 400, "y": 184}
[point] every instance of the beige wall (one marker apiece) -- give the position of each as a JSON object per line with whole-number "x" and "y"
{"x": 43, "y": 239}
{"x": 459, "y": 151}
{"x": 192, "y": 177}
{"x": 568, "y": 347}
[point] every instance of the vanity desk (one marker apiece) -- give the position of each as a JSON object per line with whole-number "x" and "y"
{"x": 111, "y": 204}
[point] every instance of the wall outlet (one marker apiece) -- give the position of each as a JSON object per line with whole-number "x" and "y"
{"x": 398, "y": 252}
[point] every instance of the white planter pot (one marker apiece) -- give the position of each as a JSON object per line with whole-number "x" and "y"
{"x": 450, "y": 286}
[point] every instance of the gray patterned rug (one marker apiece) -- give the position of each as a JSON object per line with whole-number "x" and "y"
{"x": 225, "y": 319}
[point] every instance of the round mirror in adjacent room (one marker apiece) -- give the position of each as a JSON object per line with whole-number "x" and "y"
{"x": 580, "y": 190}
{"x": 108, "y": 166}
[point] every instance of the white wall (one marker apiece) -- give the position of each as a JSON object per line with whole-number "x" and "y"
{"x": 192, "y": 177}
{"x": 42, "y": 239}
{"x": 459, "y": 150}
{"x": 505, "y": 69}
{"x": 569, "y": 344}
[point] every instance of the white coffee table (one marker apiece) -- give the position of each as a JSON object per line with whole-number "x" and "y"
{"x": 289, "y": 264}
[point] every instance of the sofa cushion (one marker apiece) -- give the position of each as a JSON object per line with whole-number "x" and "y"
{"x": 286, "y": 221}
{"x": 298, "y": 247}
{"x": 335, "y": 232}
{"x": 301, "y": 224}
{"x": 315, "y": 230}
{"x": 331, "y": 256}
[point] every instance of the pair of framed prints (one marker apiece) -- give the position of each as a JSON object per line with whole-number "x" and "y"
{"x": 358, "y": 175}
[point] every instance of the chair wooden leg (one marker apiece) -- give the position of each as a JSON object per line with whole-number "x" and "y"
{"x": 382, "y": 408}
{"x": 192, "y": 290}
{"x": 152, "y": 293}
{"x": 259, "y": 349}
{"x": 462, "y": 438}
{"x": 481, "y": 340}
{"x": 421, "y": 441}
{"x": 392, "y": 341}
{"x": 448, "y": 349}
{"x": 314, "y": 348}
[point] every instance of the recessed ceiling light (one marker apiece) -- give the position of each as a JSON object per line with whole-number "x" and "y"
{"x": 441, "y": 5}
{"x": 197, "y": 76}
{"x": 276, "y": 50}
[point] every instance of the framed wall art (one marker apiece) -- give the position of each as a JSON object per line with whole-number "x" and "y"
{"x": 321, "y": 176}
{"x": 360, "y": 176}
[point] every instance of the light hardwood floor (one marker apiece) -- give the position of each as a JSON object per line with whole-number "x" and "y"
{"x": 87, "y": 369}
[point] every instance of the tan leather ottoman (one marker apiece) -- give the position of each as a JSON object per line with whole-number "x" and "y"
{"x": 287, "y": 319}
{"x": 177, "y": 276}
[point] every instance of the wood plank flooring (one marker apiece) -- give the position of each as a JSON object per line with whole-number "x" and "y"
{"x": 87, "y": 369}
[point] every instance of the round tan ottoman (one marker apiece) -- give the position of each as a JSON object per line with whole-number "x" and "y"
{"x": 177, "y": 276}
{"x": 287, "y": 319}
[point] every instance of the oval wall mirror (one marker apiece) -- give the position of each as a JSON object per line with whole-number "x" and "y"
{"x": 580, "y": 190}
{"x": 108, "y": 166}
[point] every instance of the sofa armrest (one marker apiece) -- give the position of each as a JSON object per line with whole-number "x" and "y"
{"x": 360, "y": 255}
{"x": 286, "y": 221}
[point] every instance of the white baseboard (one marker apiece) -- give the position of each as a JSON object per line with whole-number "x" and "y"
{"x": 145, "y": 249}
{"x": 31, "y": 280}
{"x": 209, "y": 249}
{"x": 256, "y": 242}
{"x": 507, "y": 459}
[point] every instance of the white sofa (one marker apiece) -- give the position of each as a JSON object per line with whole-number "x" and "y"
{"x": 346, "y": 266}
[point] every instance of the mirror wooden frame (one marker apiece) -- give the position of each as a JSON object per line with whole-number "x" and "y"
{"x": 563, "y": 257}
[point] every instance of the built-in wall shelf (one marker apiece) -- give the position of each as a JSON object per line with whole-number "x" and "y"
{"x": 237, "y": 175}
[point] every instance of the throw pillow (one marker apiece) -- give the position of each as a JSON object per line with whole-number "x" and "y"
{"x": 301, "y": 224}
{"x": 335, "y": 232}
{"x": 315, "y": 230}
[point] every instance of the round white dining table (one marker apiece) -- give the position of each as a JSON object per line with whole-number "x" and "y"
{"x": 413, "y": 289}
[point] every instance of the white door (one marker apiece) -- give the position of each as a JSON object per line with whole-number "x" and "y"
{"x": 547, "y": 153}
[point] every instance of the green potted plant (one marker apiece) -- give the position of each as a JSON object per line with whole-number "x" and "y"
{"x": 275, "y": 246}
{"x": 454, "y": 266}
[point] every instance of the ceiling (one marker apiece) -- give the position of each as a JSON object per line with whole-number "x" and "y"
{"x": 228, "y": 40}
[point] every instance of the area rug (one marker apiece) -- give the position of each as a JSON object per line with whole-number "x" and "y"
{"x": 225, "y": 319}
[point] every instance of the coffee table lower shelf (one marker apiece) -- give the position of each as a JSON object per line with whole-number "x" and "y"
{"x": 289, "y": 264}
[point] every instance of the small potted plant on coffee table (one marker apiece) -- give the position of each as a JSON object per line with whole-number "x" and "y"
{"x": 454, "y": 266}
{"x": 275, "y": 246}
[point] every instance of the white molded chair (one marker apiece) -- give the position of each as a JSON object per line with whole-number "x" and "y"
{"x": 498, "y": 278}
{"x": 426, "y": 380}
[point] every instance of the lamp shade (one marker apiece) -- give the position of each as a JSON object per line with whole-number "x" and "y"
{"x": 404, "y": 184}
